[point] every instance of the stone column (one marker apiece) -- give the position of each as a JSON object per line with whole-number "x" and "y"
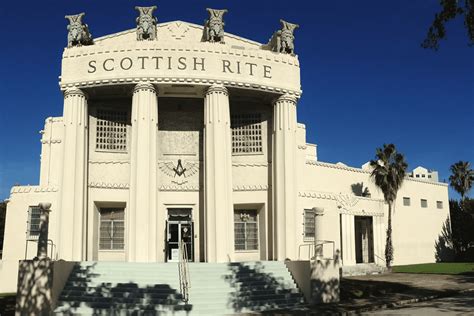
{"x": 142, "y": 213}
{"x": 218, "y": 175}
{"x": 284, "y": 168}
{"x": 318, "y": 232}
{"x": 74, "y": 177}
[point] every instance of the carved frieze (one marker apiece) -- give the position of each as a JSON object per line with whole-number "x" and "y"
{"x": 179, "y": 171}
{"x": 78, "y": 31}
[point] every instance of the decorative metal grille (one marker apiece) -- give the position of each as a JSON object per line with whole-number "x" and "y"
{"x": 246, "y": 133}
{"x": 246, "y": 230}
{"x": 111, "y": 133}
{"x": 34, "y": 214}
{"x": 424, "y": 203}
{"x": 406, "y": 201}
{"x": 439, "y": 204}
{"x": 309, "y": 224}
{"x": 112, "y": 229}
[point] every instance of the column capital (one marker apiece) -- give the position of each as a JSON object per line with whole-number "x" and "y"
{"x": 145, "y": 86}
{"x": 217, "y": 88}
{"x": 286, "y": 98}
{"x": 74, "y": 91}
{"x": 318, "y": 211}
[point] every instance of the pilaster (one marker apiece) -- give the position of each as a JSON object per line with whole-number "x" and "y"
{"x": 142, "y": 213}
{"x": 218, "y": 175}
{"x": 74, "y": 177}
{"x": 284, "y": 168}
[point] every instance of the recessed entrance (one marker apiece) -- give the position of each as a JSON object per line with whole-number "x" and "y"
{"x": 179, "y": 228}
{"x": 364, "y": 239}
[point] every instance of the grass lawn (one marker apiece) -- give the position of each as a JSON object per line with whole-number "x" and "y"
{"x": 437, "y": 268}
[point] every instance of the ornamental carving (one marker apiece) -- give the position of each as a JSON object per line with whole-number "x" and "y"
{"x": 179, "y": 171}
{"x": 282, "y": 40}
{"x": 78, "y": 31}
{"x": 146, "y": 23}
{"x": 214, "y": 27}
{"x": 346, "y": 201}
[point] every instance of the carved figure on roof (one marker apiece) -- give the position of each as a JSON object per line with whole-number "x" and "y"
{"x": 78, "y": 32}
{"x": 282, "y": 40}
{"x": 146, "y": 23}
{"x": 214, "y": 27}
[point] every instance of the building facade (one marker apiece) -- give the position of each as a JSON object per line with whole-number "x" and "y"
{"x": 179, "y": 132}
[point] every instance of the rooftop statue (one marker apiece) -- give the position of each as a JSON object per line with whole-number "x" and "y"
{"x": 214, "y": 27}
{"x": 146, "y": 23}
{"x": 78, "y": 32}
{"x": 282, "y": 40}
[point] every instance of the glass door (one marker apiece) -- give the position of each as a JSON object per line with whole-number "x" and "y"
{"x": 177, "y": 231}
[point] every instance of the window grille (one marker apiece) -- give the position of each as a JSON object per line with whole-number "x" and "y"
{"x": 34, "y": 215}
{"x": 246, "y": 230}
{"x": 406, "y": 201}
{"x": 111, "y": 133}
{"x": 112, "y": 229}
{"x": 424, "y": 203}
{"x": 246, "y": 133}
{"x": 439, "y": 204}
{"x": 309, "y": 224}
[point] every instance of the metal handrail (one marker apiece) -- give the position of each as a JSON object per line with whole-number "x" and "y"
{"x": 312, "y": 248}
{"x": 184, "y": 279}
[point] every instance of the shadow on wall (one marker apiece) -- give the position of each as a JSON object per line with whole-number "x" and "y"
{"x": 35, "y": 280}
{"x": 118, "y": 298}
{"x": 444, "y": 244}
{"x": 358, "y": 189}
{"x": 257, "y": 290}
{"x": 325, "y": 280}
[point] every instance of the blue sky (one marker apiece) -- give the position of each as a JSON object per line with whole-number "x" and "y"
{"x": 365, "y": 79}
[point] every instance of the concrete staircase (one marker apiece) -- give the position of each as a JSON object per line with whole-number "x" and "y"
{"x": 118, "y": 288}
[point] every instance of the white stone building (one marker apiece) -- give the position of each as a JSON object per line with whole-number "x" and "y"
{"x": 179, "y": 138}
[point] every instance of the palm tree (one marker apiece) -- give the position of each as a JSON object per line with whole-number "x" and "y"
{"x": 461, "y": 178}
{"x": 389, "y": 169}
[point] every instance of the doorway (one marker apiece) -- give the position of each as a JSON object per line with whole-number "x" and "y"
{"x": 180, "y": 227}
{"x": 364, "y": 239}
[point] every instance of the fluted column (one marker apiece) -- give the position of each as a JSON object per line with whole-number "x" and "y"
{"x": 72, "y": 237}
{"x": 142, "y": 213}
{"x": 218, "y": 175}
{"x": 284, "y": 168}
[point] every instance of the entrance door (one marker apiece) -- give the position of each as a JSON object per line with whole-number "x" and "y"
{"x": 364, "y": 240}
{"x": 179, "y": 231}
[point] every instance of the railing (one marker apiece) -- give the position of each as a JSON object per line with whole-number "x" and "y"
{"x": 184, "y": 279}
{"x": 312, "y": 249}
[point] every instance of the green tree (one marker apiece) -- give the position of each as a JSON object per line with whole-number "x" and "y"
{"x": 389, "y": 170}
{"x": 461, "y": 178}
{"x": 450, "y": 9}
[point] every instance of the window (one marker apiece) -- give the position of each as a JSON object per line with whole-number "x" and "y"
{"x": 112, "y": 229}
{"x": 246, "y": 230}
{"x": 417, "y": 175}
{"x": 422, "y": 175}
{"x": 34, "y": 214}
{"x": 429, "y": 176}
{"x": 424, "y": 203}
{"x": 309, "y": 224}
{"x": 439, "y": 204}
{"x": 111, "y": 133}
{"x": 406, "y": 201}
{"x": 246, "y": 133}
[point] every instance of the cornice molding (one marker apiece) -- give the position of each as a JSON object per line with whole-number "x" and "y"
{"x": 256, "y": 187}
{"x": 109, "y": 162}
{"x": 250, "y": 164}
{"x": 191, "y": 81}
{"x": 104, "y": 185}
{"x": 51, "y": 141}
{"x": 33, "y": 189}
{"x": 193, "y": 188}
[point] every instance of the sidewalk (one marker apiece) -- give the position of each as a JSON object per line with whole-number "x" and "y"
{"x": 365, "y": 293}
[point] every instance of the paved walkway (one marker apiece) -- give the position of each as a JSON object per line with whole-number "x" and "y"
{"x": 365, "y": 293}
{"x": 457, "y": 305}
